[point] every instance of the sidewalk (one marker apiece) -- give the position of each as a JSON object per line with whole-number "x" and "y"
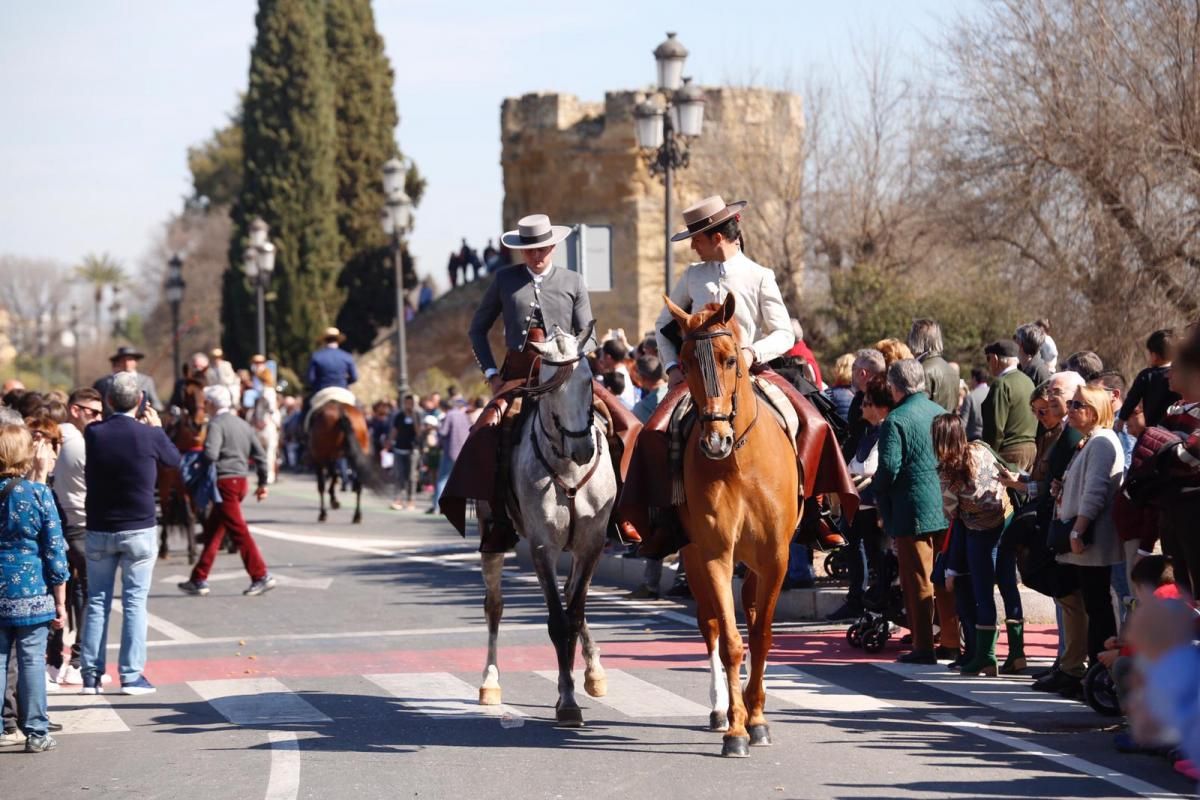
{"x": 796, "y": 605}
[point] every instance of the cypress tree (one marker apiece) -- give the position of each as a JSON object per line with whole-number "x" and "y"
{"x": 289, "y": 179}
{"x": 365, "y": 108}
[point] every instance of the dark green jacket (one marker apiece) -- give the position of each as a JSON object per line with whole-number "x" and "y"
{"x": 941, "y": 382}
{"x": 1007, "y": 418}
{"x": 907, "y": 488}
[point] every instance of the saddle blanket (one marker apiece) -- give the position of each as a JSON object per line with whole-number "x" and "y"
{"x": 330, "y": 394}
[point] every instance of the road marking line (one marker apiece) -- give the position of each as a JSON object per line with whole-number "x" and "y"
{"x": 85, "y": 713}
{"x": 284, "y": 580}
{"x": 1126, "y": 782}
{"x": 168, "y": 629}
{"x": 257, "y": 702}
{"x": 438, "y": 694}
{"x": 1011, "y": 695}
{"x": 796, "y": 687}
{"x": 379, "y": 547}
{"x": 303, "y": 637}
{"x": 635, "y": 697}
{"x": 283, "y": 783}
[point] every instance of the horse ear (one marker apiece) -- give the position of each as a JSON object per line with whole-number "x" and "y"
{"x": 585, "y": 336}
{"x": 678, "y": 313}
{"x": 727, "y": 308}
{"x": 543, "y": 349}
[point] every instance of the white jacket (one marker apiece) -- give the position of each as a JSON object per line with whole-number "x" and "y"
{"x": 760, "y": 312}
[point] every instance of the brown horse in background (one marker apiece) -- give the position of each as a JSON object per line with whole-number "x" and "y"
{"x": 741, "y": 486}
{"x": 335, "y": 431}
{"x": 186, "y": 430}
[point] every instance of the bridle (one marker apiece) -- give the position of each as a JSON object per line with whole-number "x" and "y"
{"x": 707, "y": 359}
{"x": 564, "y": 369}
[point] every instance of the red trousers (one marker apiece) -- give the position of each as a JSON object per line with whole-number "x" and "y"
{"x": 227, "y": 516}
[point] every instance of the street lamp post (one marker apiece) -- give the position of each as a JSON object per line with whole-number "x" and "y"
{"x": 258, "y": 262}
{"x": 396, "y": 218}
{"x": 664, "y": 129}
{"x": 120, "y": 314}
{"x": 174, "y": 287}
{"x": 74, "y": 323}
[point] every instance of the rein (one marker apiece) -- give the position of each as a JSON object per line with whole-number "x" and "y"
{"x": 707, "y": 360}
{"x": 564, "y": 370}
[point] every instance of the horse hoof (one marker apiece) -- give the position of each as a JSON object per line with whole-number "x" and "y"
{"x": 736, "y": 747}
{"x": 322, "y": 517}
{"x": 718, "y": 721}
{"x": 335, "y": 505}
{"x": 596, "y": 687}
{"x": 760, "y": 735}
{"x": 489, "y": 695}
{"x": 569, "y": 717}
{"x": 357, "y": 519}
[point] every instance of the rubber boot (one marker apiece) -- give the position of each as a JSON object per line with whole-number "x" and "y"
{"x": 1015, "y": 662}
{"x": 984, "y": 662}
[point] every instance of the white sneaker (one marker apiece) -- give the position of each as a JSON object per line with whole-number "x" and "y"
{"x": 105, "y": 679}
{"x": 70, "y": 675}
{"x": 12, "y": 739}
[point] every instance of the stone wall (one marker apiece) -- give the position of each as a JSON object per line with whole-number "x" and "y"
{"x": 579, "y": 163}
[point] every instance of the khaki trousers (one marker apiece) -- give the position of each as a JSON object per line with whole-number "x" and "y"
{"x": 915, "y": 554}
{"x": 1075, "y": 634}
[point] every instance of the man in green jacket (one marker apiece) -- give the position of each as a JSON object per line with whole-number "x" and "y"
{"x": 941, "y": 379}
{"x": 909, "y": 495}
{"x": 1009, "y": 426}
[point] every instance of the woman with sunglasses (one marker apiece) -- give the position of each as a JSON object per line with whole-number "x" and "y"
{"x": 1084, "y": 498}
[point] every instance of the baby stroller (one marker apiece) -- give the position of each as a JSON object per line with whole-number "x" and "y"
{"x": 884, "y": 606}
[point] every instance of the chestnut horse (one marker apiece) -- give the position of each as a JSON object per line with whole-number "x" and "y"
{"x": 741, "y": 487}
{"x": 185, "y": 428}
{"x": 336, "y": 431}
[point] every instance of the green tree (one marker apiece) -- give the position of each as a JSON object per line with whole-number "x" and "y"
{"x": 289, "y": 179}
{"x": 365, "y": 108}
{"x": 216, "y": 166}
{"x": 100, "y": 272}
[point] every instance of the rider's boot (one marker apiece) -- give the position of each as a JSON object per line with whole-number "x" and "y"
{"x": 666, "y": 534}
{"x": 497, "y": 534}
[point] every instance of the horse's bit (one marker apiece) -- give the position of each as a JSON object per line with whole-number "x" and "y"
{"x": 707, "y": 359}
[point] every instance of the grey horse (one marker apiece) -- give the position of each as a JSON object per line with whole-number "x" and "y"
{"x": 565, "y": 487}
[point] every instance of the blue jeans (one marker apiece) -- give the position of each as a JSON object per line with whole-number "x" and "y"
{"x": 992, "y": 566}
{"x": 31, "y": 671}
{"x": 445, "y": 467}
{"x": 799, "y": 566}
{"x": 134, "y": 552}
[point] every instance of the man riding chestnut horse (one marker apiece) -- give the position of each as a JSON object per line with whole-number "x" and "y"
{"x": 714, "y": 229}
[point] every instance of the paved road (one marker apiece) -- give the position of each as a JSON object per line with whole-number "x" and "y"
{"x": 356, "y": 679}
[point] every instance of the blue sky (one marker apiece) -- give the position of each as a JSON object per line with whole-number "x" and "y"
{"x": 102, "y": 99}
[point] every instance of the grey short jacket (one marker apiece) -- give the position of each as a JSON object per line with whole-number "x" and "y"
{"x": 562, "y": 299}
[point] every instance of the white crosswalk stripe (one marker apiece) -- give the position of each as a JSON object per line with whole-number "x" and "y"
{"x": 798, "y": 688}
{"x": 635, "y": 697}
{"x": 257, "y": 701}
{"x": 438, "y": 694}
{"x": 84, "y": 713}
{"x": 1010, "y": 695}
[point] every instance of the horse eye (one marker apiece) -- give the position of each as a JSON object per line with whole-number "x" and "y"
{"x": 731, "y": 362}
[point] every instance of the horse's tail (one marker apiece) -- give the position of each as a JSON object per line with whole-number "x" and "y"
{"x": 364, "y": 467}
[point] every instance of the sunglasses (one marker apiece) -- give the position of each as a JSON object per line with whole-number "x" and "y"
{"x": 1041, "y": 412}
{"x": 1077, "y": 405}
{"x": 90, "y": 412}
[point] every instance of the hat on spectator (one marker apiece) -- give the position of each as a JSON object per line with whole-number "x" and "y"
{"x": 1005, "y": 348}
{"x": 125, "y": 351}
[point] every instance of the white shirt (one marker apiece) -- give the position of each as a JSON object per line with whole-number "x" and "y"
{"x": 69, "y": 485}
{"x": 759, "y": 310}
{"x": 628, "y": 397}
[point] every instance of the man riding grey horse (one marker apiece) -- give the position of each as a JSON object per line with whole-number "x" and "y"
{"x": 533, "y": 298}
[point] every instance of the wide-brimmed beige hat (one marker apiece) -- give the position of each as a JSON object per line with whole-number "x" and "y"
{"x": 332, "y": 334}
{"x": 708, "y": 213}
{"x": 534, "y": 231}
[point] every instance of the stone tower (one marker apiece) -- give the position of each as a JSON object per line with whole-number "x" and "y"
{"x": 579, "y": 163}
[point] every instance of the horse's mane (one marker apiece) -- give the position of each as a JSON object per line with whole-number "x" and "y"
{"x": 710, "y": 318}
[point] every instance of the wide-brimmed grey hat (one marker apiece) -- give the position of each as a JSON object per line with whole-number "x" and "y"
{"x": 125, "y": 351}
{"x": 708, "y": 213}
{"x": 534, "y": 231}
